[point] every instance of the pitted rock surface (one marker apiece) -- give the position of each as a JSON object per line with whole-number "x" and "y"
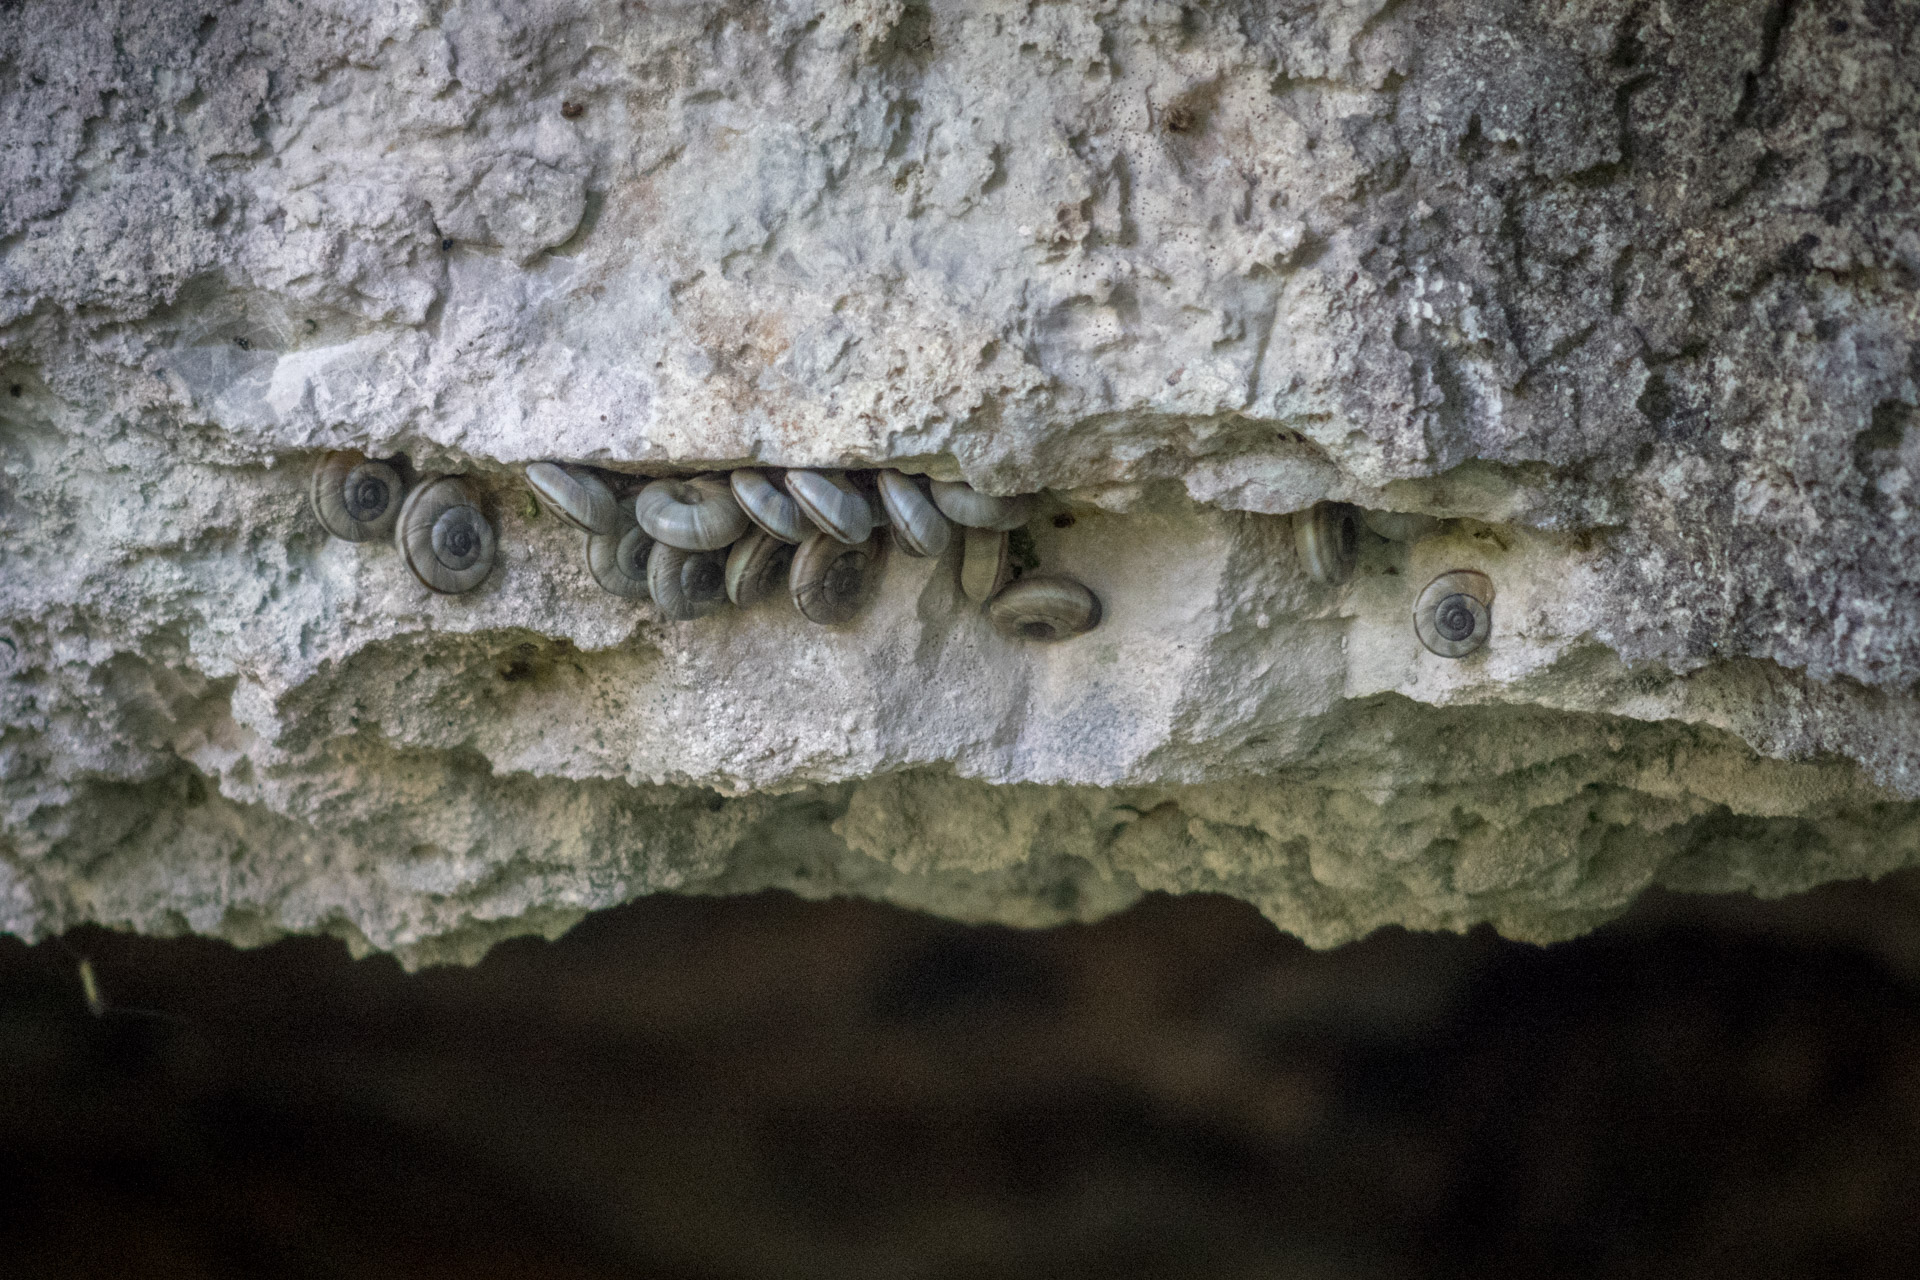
{"x": 1625, "y": 294}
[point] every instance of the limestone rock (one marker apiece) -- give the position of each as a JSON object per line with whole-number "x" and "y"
{"x": 1622, "y": 298}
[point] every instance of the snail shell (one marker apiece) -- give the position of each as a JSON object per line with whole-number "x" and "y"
{"x": 693, "y": 515}
{"x": 830, "y": 579}
{"x": 918, "y": 526}
{"x": 444, "y": 537}
{"x": 686, "y": 584}
{"x": 355, "y": 498}
{"x": 966, "y": 505}
{"x": 757, "y": 568}
{"x": 618, "y": 561}
{"x": 1454, "y": 614}
{"x": 829, "y": 499}
{"x": 769, "y": 505}
{"x": 1401, "y": 526}
{"x": 1327, "y": 536}
{"x": 1044, "y": 607}
{"x": 577, "y": 496}
{"x": 984, "y": 566}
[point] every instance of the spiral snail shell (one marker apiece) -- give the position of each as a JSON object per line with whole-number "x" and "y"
{"x": 693, "y": 515}
{"x": 1454, "y": 613}
{"x": 618, "y": 561}
{"x": 686, "y": 584}
{"x": 965, "y": 505}
{"x": 918, "y": 526}
{"x": 1327, "y": 536}
{"x": 757, "y": 568}
{"x": 769, "y": 505}
{"x": 444, "y": 537}
{"x": 984, "y": 563}
{"x": 356, "y": 498}
{"x": 831, "y": 580}
{"x": 1044, "y": 607}
{"x": 576, "y": 495}
{"x": 830, "y": 501}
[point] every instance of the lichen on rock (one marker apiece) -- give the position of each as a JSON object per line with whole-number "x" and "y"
{"x": 1621, "y": 300}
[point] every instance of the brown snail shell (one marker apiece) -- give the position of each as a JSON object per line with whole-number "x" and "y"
{"x": 577, "y": 496}
{"x": 757, "y": 568}
{"x": 686, "y": 584}
{"x": 1327, "y": 536}
{"x": 831, "y": 580}
{"x": 984, "y": 563}
{"x": 1044, "y": 607}
{"x": 918, "y": 526}
{"x": 446, "y": 540}
{"x": 965, "y": 505}
{"x": 830, "y": 501}
{"x": 1454, "y": 614}
{"x": 618, "y": 561}
{"x": 694, "y": 515}
{"x": 356, "y": 498}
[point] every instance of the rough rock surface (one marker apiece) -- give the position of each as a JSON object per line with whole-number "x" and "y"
{"x": 1625, "y": 293}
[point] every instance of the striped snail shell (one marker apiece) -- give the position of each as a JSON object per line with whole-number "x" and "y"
{"x": 577, "y": 496}
{"x": 1044, "y": 607}
{"x": 355, "y": 497}
{"x": 965, "y": 505}
{"x": 1327, "y": 536}
{"x": 830, "y": 501}
{"x": 831, "y": 580}
{"x": 444, "y": 537}
{"x": 984, "y": 563}
{"x": 918, "y": 526}
{"x": 757, "y": 568}
{"x": 618, "y": 560}
{"x": 686, "y": 584}
{"x": 1454, "y": 614}
{"x": 692, "y": 515}
{"x": 768, "y": 504}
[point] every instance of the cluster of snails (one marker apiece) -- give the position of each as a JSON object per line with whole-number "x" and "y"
{"x": 694, "y": 545}
{"x": 1453, "y": 614}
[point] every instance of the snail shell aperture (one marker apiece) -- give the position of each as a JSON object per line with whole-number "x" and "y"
{"x": 576, "y": 495}
{"x": 1454, "y": 614}
{"x": 831, "y": 502}
{"x": 965, "y": 505}
{"x": 757, "y": 568}
{"x": 769, "y": 505}
{"x": 693, "y": 515}
{"x": 444, "y": 537}
{"x": 918, "y": 526}
{"x": 831, "y": 580}
{"x": 984, "y": 563}
{"x": 618, "y": 561}
{"x": 1327, "y": 536}
{"x": 1044, "y": 607}
{"x": 355, "y": 498}
{"x": 686, "y": 584}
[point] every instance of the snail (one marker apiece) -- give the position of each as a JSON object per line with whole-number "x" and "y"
{"x": 1401, "y": 526}
{"x": 769, "y": 505}
{"x": 692, "y": 515}
{"x": 918, "y": 526}
{"x": 1327, "y": 536}
{"x": 984, "y": 564}
{"x": 686, "y": 584}
{"x": 577, "y": 496}
{"x": 757, "y": 568}
{"x": 1454, "y": 614}
{"x": 965, "y": 505}
{"x": 444, "y": 537}
{"x": 356, "y": 498}
{"x": 1044, "y": 607}
{"x": 618, "y": 560}
{"x": 829, "y": 500}
{"x": 830, "y": 579}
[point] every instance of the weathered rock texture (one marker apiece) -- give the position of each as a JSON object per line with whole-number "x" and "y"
{"x": 1625, "y": 292}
